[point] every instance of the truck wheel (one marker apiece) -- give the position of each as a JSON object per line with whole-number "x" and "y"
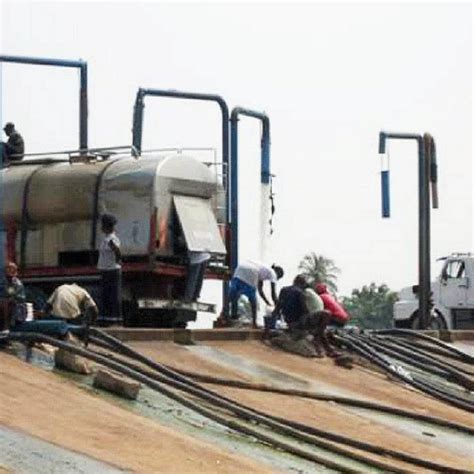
{"x": 437, "y": 321}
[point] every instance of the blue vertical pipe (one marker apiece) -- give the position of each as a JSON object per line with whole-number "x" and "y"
{"x": 82, "y": 65}
{"x": 234, "y": 159}
{"x": 385, "y": 179}
{"x": 234, "y": 191}
{"x": 385, "y": 193}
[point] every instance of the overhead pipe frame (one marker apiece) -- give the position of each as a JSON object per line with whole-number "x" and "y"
{"x": 83, "y": 106}
{"x": 234, "y": 153}
{"x": 427, "y": 171}
{"x": 83, "y": 95}
{"x": 137, "y": 135}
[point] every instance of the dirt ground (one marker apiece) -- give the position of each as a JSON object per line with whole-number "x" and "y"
{"x": 359, "y": 382}
{"x": 54, "y": 409}
{"x": 47, "y": 406}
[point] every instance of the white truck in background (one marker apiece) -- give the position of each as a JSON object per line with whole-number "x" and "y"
{"x": 452, "y": 296}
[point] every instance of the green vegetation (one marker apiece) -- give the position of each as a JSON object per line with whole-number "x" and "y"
{"x": 319, "y": 269}
{"x": 371, "y": 307}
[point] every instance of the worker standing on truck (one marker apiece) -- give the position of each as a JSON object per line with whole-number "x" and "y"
{"x": 339, "y": 316}
{"x": 109, "y": 265}
{"x": 249, "y": 276}
{"x": 14, "y": 148}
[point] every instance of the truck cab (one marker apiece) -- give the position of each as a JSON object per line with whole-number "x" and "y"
{"x": 452, "y": 295}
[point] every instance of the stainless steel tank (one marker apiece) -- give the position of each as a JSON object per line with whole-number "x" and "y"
{"x": 61, "y": 200}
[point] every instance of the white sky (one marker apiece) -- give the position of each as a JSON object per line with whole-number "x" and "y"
{"x": 330, "y": 76}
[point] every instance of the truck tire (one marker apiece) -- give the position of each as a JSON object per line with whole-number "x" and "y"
{"x": 437, "y": 322}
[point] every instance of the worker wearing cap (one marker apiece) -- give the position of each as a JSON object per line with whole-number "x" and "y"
{"x": 109, "y": 265}
{"x": 339, "y": 316}
{"x": 14, "y": 148}
{"x": 248, "y": 277}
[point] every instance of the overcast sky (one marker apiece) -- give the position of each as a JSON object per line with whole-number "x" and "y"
{"x": 330, "y": 76}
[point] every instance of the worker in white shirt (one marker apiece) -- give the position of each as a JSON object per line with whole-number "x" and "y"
{"x": 109, "y": 265}
{"x": 73, "y": 304}
{"x": 248, "y": 277}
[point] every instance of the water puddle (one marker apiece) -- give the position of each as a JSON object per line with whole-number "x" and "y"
{"x": 454, "y": 441}
{"x": 24, "y": 454}
{"x": 264, "y": 373}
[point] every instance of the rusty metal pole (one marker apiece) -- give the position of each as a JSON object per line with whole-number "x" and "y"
{"x": 426, "y": 172}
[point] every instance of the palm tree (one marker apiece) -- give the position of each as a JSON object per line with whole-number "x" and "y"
{"x": 319, "y": 269}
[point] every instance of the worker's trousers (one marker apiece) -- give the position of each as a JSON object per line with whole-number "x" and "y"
{"x": 111, "y": 296}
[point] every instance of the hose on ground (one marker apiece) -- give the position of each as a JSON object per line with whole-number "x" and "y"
{"x": 426, "y": 353}
{"x": 408, "y": 332}
{"x": 356, "y": 403}
{"x": 423, "y": 384}
{"x": 365, "y": 351}
{"x": 351, "y": 402}
{"x": 421, "y": 362}
{"x": 211, "y": 414}
{"x": 328, "y": 435}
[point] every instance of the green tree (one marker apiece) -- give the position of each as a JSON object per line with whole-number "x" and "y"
{"x": 319, "y": 269}
{"x": 371, "y": 307}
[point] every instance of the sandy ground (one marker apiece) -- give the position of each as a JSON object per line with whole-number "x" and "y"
{"x": 359, "y": 382}
{"x": 42, "y": 404}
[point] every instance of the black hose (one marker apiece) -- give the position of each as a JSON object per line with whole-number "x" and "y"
{"x": 370, "y": 342}
{"x": 319, "y": 433}
{"x": 301, "y": 393}
{"x": 421, "y": 362}
{"x": 351, "y": 402}
{"x": 332, "y": 436}
{"x": 425, "y": 353}
{"x": 299, "y": 431}
{"x": 368, "y": 353}
{"x": 433, "y": 340}
{"x": 211, "y": 414}
{"x": 452, "y": 375}
{"x": 427, "y": 347}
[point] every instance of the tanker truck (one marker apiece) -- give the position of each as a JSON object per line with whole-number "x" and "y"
{"x": 166, "y": 203}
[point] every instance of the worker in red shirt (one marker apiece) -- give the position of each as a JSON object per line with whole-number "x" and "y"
{"x": 339, "y": 316}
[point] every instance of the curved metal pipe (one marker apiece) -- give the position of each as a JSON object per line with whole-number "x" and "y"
{"x": 424, "y": 259}
{"x": 82, "y": 65}
{"x": 137, "y": 134}
{"x": 234, "y": 153}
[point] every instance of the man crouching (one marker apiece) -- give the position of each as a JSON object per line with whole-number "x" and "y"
{"x": 303, "y": 312}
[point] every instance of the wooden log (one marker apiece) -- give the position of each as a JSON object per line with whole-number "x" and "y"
{"x": 117, "y": 384}
{"x": 71, "y": 362}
